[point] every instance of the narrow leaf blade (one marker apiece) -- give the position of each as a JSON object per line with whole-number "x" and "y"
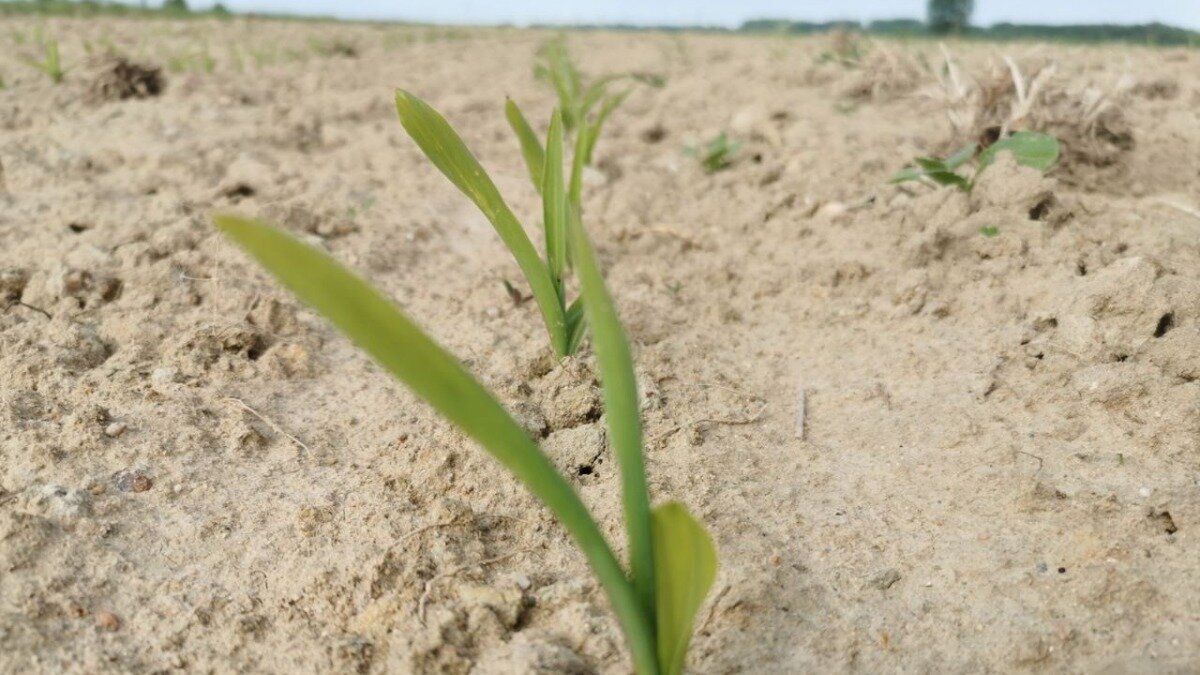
{"x": 622, "y": 409}
{"x": 576, "y": 325}
{"x": 593, "y": 129}
{"x": 948, "y": 178}
{"x": 931, "y": 163}
{"x": 685, "y": 562}
{"x": 443, "y": 146}
{"x": 908, "y": 173}
{"x": 531, "y": 147}
{"x": 403, "y": 349}
{"x": 961, "y": 157}
{"x": 554, "y": 203}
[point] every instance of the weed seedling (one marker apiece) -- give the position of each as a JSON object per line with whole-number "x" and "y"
{"x": 50, "y": 63}
{"x": 672, "y": 560}
{"x": 1039, "y": 151}
{"x": 717, "y": 154}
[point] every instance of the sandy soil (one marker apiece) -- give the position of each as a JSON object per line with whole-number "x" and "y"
{"x": 1000, "y": 466}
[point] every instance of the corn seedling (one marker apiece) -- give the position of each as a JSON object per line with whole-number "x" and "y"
{"x": 715, "y": 155}
{"x": 672, "y": 560}
{"x": 560, "y": 204}
{"x": 585, "y": 105}
{"x": 50, "y": 63}
{"x": 1038, "y": 151}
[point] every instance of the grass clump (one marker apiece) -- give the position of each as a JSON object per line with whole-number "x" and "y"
{"x": 1038, "y": 151}
{"x": 672, "y": 560}
{"x": 716, "y": 154}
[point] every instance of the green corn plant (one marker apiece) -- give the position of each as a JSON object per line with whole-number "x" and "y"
{"x": 1039, "y": 151}
{"x": 585, "y": 105}
{"x": 565, "y": 322}
{"x": 672, "y": 560}
{"x": 50, "y": 63}
{"x": 717, "y": 154}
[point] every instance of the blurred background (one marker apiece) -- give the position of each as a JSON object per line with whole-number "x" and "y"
{"x": 725, "y": 14}
{"x": 1158, "y": 22}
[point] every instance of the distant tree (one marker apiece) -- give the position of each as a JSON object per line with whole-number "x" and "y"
{"x": 175, "y": 5}
{"x": 950, "y": 16}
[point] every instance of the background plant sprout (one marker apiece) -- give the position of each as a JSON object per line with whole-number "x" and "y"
{"x": 50, "y": 62}
{"x": 1039, "y": 151}
{"x": 673, "y": 561}
{"x": 585, "y": 105}
{"x": 715, "y": 155}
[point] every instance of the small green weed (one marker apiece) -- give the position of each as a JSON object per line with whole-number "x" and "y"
{"x": 1039, "y": 151}
{"x": 717, "y": 154}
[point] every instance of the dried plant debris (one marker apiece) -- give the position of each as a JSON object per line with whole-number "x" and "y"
{"x": 116, "y": 78}
{"x": 883, "y": 75}
{"x": 1088, "y": 118}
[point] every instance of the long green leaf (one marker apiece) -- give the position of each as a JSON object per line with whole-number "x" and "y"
{"x": 575, "y": 194}
{"x": 931, "y": 163}
{"x": 396, "y": 343}
{"x": 949, "y": 178}
{"x": 593, "y": 128}
{"x": 622, "y": 409}
{"x": 554, "y": 204}
{"x": 438, "y": 140}
{"x": 531, "y": 147}
{"x": 1039, "y": 151}
{"x": 685, "y": 562}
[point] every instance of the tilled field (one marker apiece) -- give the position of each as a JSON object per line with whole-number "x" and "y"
{"x": 999, "y": 464}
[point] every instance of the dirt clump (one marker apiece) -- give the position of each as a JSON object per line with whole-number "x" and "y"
{"x": 114, "y": 77}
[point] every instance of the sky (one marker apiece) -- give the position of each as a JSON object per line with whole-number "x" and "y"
{"x": 730, "y": 13}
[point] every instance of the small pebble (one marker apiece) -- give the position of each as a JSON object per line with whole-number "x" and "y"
{"x": 1144, "y": 492}
{"x": 133, "y": 481}
{"x": 108, "y": 621}
{"x": 115, "y": 429}
{"x": 885, "y": 579}
{"x": 524, "y": 583}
